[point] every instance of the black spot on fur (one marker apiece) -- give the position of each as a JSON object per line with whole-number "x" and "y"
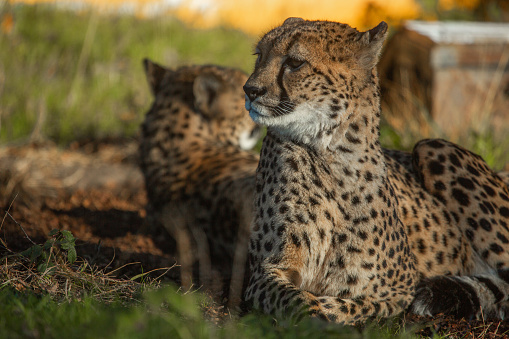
{"x": 293, "y": 164}
{"x": 473, "y": 171}
{"x": 454, "y": 159}
{"x": 436, "y": 168}
{"x": 295, "y": 240}
{"x": 502, "y": 238}
{"x": 504, "y": 211}
{"x": 467, "y": 183}
{"x": 461, "y": 197}
{"x": 485, "y": 224}
{"x": 496, "y": 248}
{"x": 435, "y": 143}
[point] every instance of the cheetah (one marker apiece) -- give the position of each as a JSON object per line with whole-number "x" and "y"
{"x": 198, "y": 173}
{"x": 345, "y": 230}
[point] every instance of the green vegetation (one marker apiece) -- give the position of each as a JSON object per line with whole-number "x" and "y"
{"x": 44, "y": 255}
{"x": 46, "y": 292}
{"x": 72, "y": 75}
{"x": 67, "y": 75}
{"x": 160, "y": 313}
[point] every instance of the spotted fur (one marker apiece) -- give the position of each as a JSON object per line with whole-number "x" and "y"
{"x": 199, "y": 180}
{"x": 345, "y": 230}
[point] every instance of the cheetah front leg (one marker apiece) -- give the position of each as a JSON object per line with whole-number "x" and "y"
{"x": 240, "y": 255}
{"x": 270, "y": 291}
{"x": 176, "y": 225}
{"x": 191, "y": 242}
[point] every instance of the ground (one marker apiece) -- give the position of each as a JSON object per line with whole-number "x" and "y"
{"x": 108, "y": 222}
{"x": 107, "y": 216}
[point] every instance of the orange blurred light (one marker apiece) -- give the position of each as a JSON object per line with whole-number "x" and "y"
{"x": 258, "y": 16}
{"x": 450, "y": 4}
{"x": 7, "y": 23}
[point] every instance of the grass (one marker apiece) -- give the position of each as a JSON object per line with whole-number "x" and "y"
{"x": 404, "y": 132}
{"x": 67, "y": 76}
{"x": 73, "y": 75}
{"x": 61, "y": 297}
{"x": 161, "y": 313}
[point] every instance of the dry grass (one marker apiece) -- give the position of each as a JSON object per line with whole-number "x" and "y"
{"x": 64, "y": 281}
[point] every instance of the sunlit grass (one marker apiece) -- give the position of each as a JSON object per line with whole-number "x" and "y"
{"x": 46, "y": 293}
{"x": 70, "y": 75}
{"x": 67, "y": 75}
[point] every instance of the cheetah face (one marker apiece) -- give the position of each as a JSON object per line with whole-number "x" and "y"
{"x": 212, "y": 94}
{"x": 219, "y": 98}
{"x": 308, "y": 74}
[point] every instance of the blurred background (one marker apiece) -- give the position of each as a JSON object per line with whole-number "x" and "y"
{"x": 71, "y": 70}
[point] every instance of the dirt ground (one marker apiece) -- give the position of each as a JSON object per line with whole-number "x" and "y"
{"x": 95, "y": 190}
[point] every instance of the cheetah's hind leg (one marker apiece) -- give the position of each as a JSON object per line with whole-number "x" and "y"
{"x": 469, "y": 297}
{"x": 478, "y": 202}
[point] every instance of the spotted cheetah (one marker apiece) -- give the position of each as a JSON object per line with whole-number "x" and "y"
{"x": 345, "y": 230}
{"x": 199, "y": 177}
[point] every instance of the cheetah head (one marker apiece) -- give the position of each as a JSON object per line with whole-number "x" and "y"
{"x": 308, "y": 77}
{"x": 212, "y": 92}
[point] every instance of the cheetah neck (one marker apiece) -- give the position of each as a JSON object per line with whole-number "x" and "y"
{"x": 352, "y": 155}
{"x": 356, "y": 150}
{"x": 355, "y": 140}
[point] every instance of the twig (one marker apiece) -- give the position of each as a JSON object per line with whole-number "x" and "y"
{"x": 495, "y": 83}
{"x": 496, "y": 330}
{"x": 83, "y": 58}
{"x": 8, "y": 209}
{"x": 17, "y": 223}
{"x": 167, "y": 270}
{"x": 4, "y": 244}
{"x": 155, "y": 269}
{"x": 116, "y": 269}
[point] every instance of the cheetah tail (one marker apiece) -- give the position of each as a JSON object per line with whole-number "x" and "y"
{"x": 469, "y": 297}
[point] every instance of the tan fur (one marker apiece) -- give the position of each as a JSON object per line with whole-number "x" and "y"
{"x": 345, "y": 229}
{"x": 199, "y": 181}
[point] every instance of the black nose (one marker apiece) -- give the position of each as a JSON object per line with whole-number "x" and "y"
{"x": 254, "y": 92}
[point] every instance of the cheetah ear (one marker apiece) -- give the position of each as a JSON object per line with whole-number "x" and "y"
{"x": 371, "y": 45}
{"x": 206, "y": 88}
{"x": 155, "y": 75}
{"x": 292, "y": 20}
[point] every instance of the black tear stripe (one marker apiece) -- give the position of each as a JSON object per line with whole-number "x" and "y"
{"x": 283, "y": 96}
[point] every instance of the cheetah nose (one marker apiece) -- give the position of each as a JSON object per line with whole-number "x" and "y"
{"x": 253, "y": 92}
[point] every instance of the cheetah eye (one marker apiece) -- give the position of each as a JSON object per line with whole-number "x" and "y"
{"x": 293, "y": 64}
{"x": 258, "y": 57}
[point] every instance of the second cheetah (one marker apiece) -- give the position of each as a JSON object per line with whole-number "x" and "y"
{"x": 199, "y": 176}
